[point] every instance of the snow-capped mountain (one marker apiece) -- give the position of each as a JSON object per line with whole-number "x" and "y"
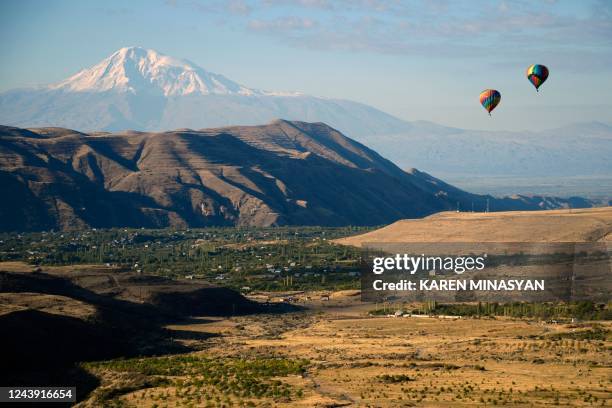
{"x": 135, "y": 69}
{"x": 142, "y": 89}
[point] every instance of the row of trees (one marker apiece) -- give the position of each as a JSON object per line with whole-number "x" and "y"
{"x": 585, "y": 310}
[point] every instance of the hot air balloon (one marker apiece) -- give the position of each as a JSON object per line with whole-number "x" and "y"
{"x": 537, "y": 74}
{"x": 489, "y": 99}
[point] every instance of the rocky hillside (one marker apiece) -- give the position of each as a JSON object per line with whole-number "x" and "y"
{"x": 280, "y": 173}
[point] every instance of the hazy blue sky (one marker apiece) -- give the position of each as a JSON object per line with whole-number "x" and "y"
{"x": 418, "y": 60}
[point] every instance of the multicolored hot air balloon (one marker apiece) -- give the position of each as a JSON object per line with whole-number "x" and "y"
{"x": 489, "y": 99}
{"x": 537, "y": 74}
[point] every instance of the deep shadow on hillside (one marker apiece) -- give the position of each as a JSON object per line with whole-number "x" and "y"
{"x": 43, "y": 348}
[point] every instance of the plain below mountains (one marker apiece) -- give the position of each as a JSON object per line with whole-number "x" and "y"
{"x": 282, "y": 173}
{"x": 582, "y": 149}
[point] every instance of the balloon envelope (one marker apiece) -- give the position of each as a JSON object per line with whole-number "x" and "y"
{"x": 537, "y": 74}
{"x": 489, "y": 99}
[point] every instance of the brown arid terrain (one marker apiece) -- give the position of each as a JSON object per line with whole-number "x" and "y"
{"x": 352, "y": 359}
{"x": 283, "y": 173}
{"x": 575, "y": 225}
{"x": 323, "y": 349}
{"x": 52, "y": 318}
{"x": 127, "y": 339}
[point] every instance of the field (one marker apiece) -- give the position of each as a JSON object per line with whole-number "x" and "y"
{"x": 577, "y": 225}
{"x": 296, "y": 349}
{"x": 337, "y": 355}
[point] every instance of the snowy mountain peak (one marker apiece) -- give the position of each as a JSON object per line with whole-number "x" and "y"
{"x": 140, "y": 70}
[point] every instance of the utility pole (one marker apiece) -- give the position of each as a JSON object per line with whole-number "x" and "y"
{"x": 487, "y": 205}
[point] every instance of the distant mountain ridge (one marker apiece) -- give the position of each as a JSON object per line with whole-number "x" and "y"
{"x": 282, "y": 173}
{"x": 579, "y": 149}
